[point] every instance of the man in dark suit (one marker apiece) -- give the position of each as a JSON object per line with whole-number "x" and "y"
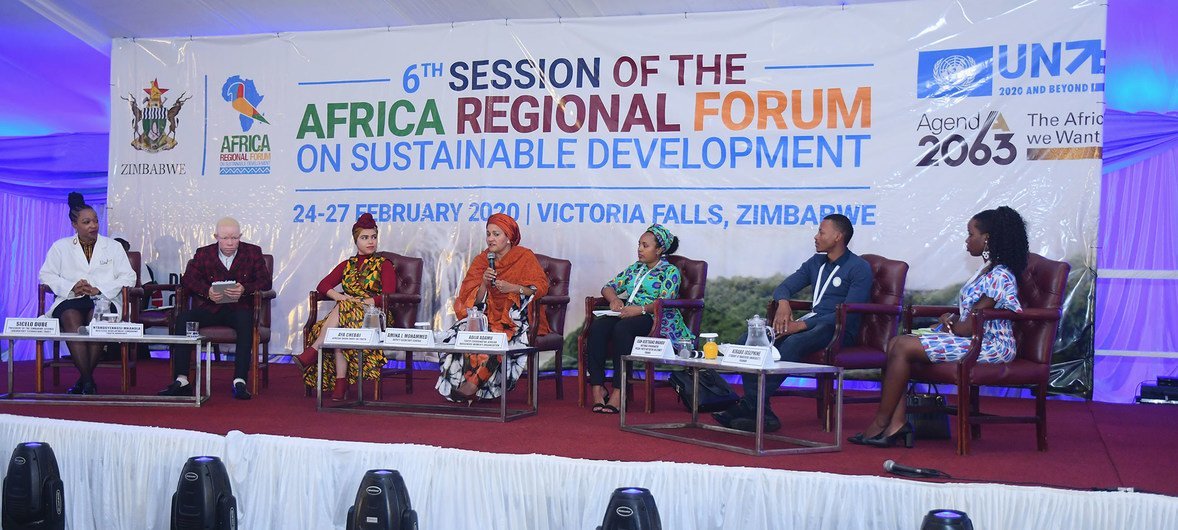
{"x": 227, "y": 260}
{"x": 838, "y": 276}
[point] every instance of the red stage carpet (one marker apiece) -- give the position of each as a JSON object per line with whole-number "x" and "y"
{"x": 1092, "y": 445}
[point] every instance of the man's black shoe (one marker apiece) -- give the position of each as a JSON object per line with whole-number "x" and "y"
{"x": 240, "y": 392}
{"x": 749, "y": 423}
{"x": 177, "y": 389}
{"x": 733, "y": 412}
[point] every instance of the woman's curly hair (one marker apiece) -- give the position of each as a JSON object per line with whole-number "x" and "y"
{"x": 1008, "y": 237}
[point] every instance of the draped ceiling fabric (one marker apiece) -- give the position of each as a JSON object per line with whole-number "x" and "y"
{"x": 57, "y": 76}
{"x": 49, "y": 167}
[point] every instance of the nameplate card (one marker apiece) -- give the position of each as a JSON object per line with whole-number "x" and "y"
{"x": 115, "y": 329}
{"x": 747, "y": 356}
{"x": 652, "y": 347}
{"x": 352, "y": 336}
{"x": 32, "y": 327}
{"x": 481, "y": 340}
{"x": 408, "y": 337}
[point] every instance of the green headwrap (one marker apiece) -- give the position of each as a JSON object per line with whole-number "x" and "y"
{"x": 661, "y": 235}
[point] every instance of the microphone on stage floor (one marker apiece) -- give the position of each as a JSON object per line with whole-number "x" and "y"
{"x": 915, "y": 472}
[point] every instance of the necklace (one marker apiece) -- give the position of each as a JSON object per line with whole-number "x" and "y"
{"x": 87, "y": 249}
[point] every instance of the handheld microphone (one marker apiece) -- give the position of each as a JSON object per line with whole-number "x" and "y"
{"x": 892, "y": 467}
{"x": 491, "y": 264}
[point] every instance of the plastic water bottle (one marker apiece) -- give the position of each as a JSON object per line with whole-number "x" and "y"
{"x": 101, "y": 307}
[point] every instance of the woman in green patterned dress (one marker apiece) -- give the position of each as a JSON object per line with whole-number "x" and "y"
{"x": 364, "y": 278}
{"x": 631, "y": 294}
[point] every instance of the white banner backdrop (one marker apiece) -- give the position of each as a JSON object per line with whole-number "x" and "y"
{"x": 739, "y": 131}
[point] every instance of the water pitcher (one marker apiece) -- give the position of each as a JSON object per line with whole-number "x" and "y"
{"x": 760, "y": 333}
{"x": 373, "y": 318}
{"x": 476, "y": 320}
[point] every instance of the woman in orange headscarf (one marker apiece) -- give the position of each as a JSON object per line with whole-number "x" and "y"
{"x": 504, "y": 291}
{"x": 363, "y": 278}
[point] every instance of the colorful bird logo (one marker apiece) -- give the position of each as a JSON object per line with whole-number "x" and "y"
{"x": 245, "y": 107}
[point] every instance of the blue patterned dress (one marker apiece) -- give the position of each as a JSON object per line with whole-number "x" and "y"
{"x": 998, "y": 335}
{"x": 662, "y": 282}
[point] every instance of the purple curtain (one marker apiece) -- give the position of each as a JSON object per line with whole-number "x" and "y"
{"x": 1137, "y": 266}
{"x": 36, "y": 174}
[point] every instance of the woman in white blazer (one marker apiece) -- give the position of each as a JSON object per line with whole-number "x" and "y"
{"x": 80, "y": 269}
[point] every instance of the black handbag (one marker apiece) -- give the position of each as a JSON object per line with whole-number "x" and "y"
{"x": 714, "y": 393}
{"x": 931, "y": 419}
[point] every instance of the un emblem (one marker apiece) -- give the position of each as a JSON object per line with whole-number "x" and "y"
{"x": 954, "y": 71}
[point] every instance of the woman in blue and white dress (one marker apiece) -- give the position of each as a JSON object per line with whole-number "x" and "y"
{"x": 999, "y": 236}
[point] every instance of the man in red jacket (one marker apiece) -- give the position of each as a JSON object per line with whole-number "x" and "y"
{"x": 228, "y": 260}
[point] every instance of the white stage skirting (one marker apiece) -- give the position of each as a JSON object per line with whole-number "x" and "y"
{"x": 122, "y": 478}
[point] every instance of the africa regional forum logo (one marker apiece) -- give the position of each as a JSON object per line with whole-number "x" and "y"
{"x": 245, "y": 153}
{"x": 153, "y": 126}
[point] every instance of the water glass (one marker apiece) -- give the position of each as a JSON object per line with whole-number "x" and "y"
{"x": 192, "y": 329}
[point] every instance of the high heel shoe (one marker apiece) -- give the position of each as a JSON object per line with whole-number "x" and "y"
{"x": 340, "y": 392}
{"x": 306, "y": 359}
{"x": 458, "y": 396}
{"x": 881, "y": 440}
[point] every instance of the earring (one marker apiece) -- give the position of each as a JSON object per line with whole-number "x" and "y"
{"x": 986, "y": 251}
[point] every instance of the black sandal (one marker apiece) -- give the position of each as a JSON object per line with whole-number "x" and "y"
{"x": 609, "y": 409}
{"x": 599, "y": 408}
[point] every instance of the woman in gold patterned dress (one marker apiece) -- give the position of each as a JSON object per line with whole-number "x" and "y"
{"x": 364, "y": 278}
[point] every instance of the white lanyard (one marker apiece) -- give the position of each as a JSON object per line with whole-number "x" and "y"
{"x": 819, "y": 293}
{"x": 638, "y": 283}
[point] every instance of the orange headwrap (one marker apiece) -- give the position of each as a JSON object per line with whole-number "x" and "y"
{"x": 509, "y": 226}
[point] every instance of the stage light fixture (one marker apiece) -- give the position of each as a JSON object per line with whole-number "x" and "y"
{"x": 946, "y": 520}
{"x": 631, "y": 509}
{"x": 204, "y": 498}
{"x": 382, "y": 503}
{"x": 33, "y": 497}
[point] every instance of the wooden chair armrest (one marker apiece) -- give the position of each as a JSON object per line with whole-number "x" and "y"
{"x": 798, "y": 305}
{"x": 678, "y": 303}
{"x": 931, "y": 310}
{"x": 675, "y": 303}
{"x": 392, "y": 299}
{"x": 554, "y": 301}
{"x": 131, "y": 310}
{"x": 42, "y": 291}
{"x": 1035, "y": 313}
{"x": 874, "y": 309}
{"x": 591, "y": 303}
